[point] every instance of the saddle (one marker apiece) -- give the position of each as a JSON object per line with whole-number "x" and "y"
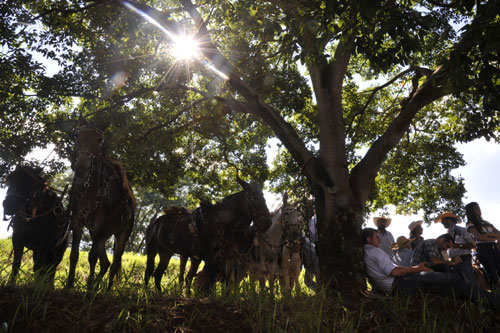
{"x": 173, "y": 210}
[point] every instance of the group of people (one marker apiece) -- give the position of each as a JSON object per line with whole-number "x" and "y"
{"x": 442, "y": 265}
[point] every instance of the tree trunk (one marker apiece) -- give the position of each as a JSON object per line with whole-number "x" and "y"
{"x": 339, "y": 247}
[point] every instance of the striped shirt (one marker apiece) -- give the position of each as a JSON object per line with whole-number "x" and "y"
{"x": 425, "y": 251}
{"x": 484, "y": 227}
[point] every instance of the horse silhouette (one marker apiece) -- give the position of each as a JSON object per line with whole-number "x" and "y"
{"x": 214, "y": 228}
{"x": 101, "y": 200}
{"x": 38, "y": 221}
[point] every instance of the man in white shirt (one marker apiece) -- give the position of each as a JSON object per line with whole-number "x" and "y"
{"x": 386, "y": 237}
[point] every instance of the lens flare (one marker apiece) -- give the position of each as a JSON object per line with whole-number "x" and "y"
{"x": 185, "y": 48}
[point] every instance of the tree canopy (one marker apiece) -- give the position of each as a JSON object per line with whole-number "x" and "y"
{"x": 367, "y": 97}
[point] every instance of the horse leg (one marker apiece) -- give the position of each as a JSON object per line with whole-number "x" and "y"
{"x": 16, "y": 264}
{"x": 271, "y": 269}
{"x": 120, "y": 242}
{"x": 286, "y": 268}
{"x": 160, "y": 269}
{"x": 103, "y": 260}
{"x": 193, "y": 269}
{"x": 150, "y": 263}
{"x": 297, "y": 266}
{"x": 42, "y": 265}
{"x": 182, "y": 269}
{"x": 75, "y": 252}
{"x": 93, "y": 255}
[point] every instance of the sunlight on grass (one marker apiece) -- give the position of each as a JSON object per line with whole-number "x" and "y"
{"x": 130, "y": 306}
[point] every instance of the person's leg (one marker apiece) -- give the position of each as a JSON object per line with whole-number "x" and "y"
{"x": 496, "y": 256}
{"x": 486, "y": 256}
{"x": 445, "y": 284}
{"x": 464, "y": 269}
{"x": 410, "y": 284}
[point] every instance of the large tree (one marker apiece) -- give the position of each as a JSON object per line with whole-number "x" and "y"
{"x": 367, "y": 97}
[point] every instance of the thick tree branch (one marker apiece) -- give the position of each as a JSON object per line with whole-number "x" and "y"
{"x": 256, "y": 106}
{"x": 363, "y": 175}
{"x": 372, "y": 95}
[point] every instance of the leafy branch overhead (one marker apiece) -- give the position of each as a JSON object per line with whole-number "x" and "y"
{"x": 368, "y": 88}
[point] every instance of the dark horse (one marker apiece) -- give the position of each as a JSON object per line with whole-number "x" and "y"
{"x": 160, "y": 239}
{"x": 101, "y": 200}
{"x": 38, "y": 221}
{"x": 213, "y": 228}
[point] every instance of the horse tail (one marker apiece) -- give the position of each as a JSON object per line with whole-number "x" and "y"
{"x": 151, "y": 236}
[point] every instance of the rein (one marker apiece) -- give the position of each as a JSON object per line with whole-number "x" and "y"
{"x": 56, "y": 208}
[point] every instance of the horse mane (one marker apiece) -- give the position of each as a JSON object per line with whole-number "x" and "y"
{"x": 119, "y": 170}
{"x": 172, "y": 210}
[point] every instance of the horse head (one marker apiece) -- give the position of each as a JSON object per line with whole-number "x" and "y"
{"x": 255, "y": 206}
{"x": 290, "y": 222}
{"x": 286, "y": 224}
{"x": 88, "y": 146}
{"x": 22, "y": 182}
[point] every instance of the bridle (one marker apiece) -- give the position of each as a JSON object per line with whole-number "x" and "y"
{"x": 251, "y": 213}
{"x": 25, "y": 213}
{"x": 87, "y": 155}
{"x": 289, "y": 224}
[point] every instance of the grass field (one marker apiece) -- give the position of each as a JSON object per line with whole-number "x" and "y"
{"x": 30, "y": 306}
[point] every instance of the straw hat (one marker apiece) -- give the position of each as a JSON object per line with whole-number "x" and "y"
{"x": 447, "y": 214}
{"x": 414, "y": 224}
{"x": 388, "y": 223}
{"x": 401, "y": 242}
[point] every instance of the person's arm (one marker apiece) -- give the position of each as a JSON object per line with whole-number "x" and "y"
{"x": 468, "y": 246}
{"x": 496, "y": 232}
{"x": 488, "y": 237}
{"x": 436, "y": 261}
{"x": 402, "y": 271}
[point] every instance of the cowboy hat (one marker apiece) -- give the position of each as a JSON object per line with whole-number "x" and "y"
{"x": 388, "y": 223}
{"x": 414, "y": 224}
{"x": 447, "y": 214}
{"x": 401, "y": 242}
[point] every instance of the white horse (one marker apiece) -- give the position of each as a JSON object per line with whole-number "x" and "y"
{"x": 278, "y": 251}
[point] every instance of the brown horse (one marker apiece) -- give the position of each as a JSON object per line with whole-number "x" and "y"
{"x": 101, "y": 200}
{"x": 38, "y": 221}
{"x": 214, "y": 228}
{"x": 160, "y": 240}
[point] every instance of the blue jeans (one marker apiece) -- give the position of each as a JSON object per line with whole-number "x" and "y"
{"x": 489, "y": 256}
{"x": 446, "y": 284}
{"x": 465, "y": 269}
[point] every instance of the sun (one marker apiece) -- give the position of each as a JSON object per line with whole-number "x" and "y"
{"x": 185, "y": 47}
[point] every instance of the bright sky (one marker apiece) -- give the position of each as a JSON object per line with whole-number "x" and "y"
{"x": 482, "y": 182}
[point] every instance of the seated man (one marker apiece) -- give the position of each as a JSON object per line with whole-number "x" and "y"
{"x": 430, "y": 251}
{"x": 402, "y": 251}
{"x": 389, "y": 278}
{"x": 463, "y": 243}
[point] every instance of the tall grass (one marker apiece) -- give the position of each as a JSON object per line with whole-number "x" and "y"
{"x": 130, "y": 306}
